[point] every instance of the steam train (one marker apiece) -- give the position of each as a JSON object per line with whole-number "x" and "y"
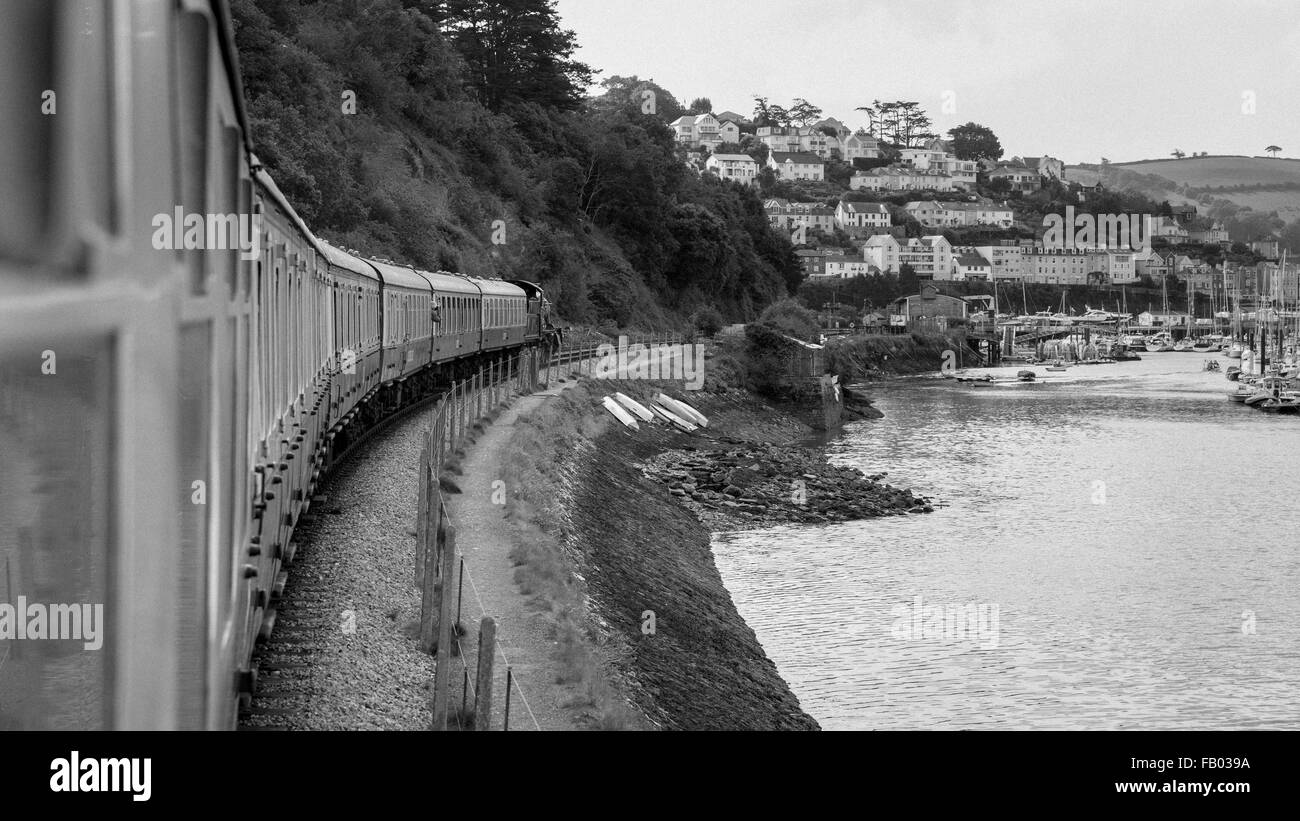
{"x": 173, "y": 386}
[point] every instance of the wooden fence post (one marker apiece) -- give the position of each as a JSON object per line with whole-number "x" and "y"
{"x": 422, "y": 511}
{"x": 430, "y": 600}
{"x": 442, "y": 670}
{"x": 487, "y": 648}
{"x": 478, "y": 395}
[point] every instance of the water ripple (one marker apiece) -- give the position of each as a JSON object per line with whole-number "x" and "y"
{"x": 1134, "y": 533}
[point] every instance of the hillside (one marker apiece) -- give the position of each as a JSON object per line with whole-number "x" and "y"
{"x": 1262, "y": 184}
{"x": 399, "y": 130}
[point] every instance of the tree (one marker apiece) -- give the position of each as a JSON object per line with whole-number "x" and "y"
{"x": 515, "y": 52}
{"x": 804, "y": 113}
{"x": 1273, "y": 149}
{"x": 908, "y": 282}
{"x": 902, "y": 122}
{"x": 701, "y": 105}
{"x": 636, "y": 95}
{"x": 973, "y": 141}
{"x": 1178, "y": 153}
{"x": 871, "y": 118}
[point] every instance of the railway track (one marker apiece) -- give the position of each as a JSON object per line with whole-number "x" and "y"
{"x": 330, "y": 571}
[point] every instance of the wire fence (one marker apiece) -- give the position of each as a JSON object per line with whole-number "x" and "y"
{"x": 439, "y": 571}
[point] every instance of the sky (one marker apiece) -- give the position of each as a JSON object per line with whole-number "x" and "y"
{"x": 1126, "y": 80}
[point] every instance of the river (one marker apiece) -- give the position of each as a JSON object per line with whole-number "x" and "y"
{"x": 1116, "y": 548}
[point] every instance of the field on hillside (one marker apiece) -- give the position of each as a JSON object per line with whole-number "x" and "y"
{"x": 1215, "y": 171}
{"x": 1200, "y": 171}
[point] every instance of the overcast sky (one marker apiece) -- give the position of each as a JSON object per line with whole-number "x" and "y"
{"x": 1122, "y": 79}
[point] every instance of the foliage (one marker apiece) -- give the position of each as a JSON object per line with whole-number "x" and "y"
{"x": 973, "y": 141}
{"x": 469, "y": 115}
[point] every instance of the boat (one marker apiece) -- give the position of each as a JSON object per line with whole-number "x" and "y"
{"x": 1211, "y": 365}
{"x": 620, "y": 413}
{"x": 1234, "y": 349}
{"x": 1286, "y": 403}
{"x": 1268, "y": 389}
{"x": 683, "y": 410}
{"x": 1242, "y": 393}
{"x": 1058, "y": 365}
{"x": 1183, "y": 345}
{"x": 635, "y": 407}
{"x": 1026, "y": 376}
{"x": 1134, "y": 342}
{"x": 1160, "y": 343}
{"x": 672, "y": 418}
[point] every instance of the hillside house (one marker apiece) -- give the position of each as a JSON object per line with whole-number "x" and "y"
{"x": 1020, "y": 178}
{"x": 796, "y": 166}
{"x": 702, "y": 130}
{"x": 859, "y": 218}
{"x": 738, "y": 167}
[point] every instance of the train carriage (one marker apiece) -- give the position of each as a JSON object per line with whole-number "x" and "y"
{"x": 357, "y": 355}
{"x": 458, "y": 330}
{"x": 408, "y": 320}
{"x": 167, "y": 407}
{"x": 505, "y": 314}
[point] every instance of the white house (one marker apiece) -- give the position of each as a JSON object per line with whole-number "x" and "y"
{"x": 1021, "y": 179}
{"x": 796, "y": 166}
{"x": 859, "y": 144}
{"x": 729, "y": 131}
{"x": 936, "y": 155}
{"x": 901, "y": 178}
{"x": 882, "y": 252}
{"x": 697, "y": 130}
{"x": 846, "y": 266}
{"x": 930, "y": 257}
{"x": 778, "y": 139}
{"x": 935, "y": 214}
{"x": 970, "y": 265}
{"x": 859, "y": 217}
{"x": 738, "y": 167}
{"x": 794, "y": 215}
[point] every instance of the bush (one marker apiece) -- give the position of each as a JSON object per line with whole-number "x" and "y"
{"x": 707, "y": 321}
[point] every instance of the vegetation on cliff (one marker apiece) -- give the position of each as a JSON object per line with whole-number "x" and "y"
{"x": 398, "y": 128}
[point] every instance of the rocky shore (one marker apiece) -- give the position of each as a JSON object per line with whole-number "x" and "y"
{"x": 635, "y": 512}
{"x": 760, "y": 485}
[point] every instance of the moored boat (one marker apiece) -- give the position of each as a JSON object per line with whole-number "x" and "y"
{"x": 1160, "y": 343}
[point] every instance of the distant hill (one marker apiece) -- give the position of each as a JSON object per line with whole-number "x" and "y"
{"x": 1262, "y": 184}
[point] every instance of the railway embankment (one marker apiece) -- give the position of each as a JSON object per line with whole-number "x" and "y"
{"x": 617, "y": 524}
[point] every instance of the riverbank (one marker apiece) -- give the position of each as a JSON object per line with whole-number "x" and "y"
{"x": 618, "y": 548}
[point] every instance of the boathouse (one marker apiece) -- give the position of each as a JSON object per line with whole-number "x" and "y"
{"x": 926, "y": 308}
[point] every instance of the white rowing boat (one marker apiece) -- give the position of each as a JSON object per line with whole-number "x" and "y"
{"x": 634, "y": 406}
{"x": 620, "y": 413}
{"x": 673, "y": 418}
{"x": 683, "y": 410}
